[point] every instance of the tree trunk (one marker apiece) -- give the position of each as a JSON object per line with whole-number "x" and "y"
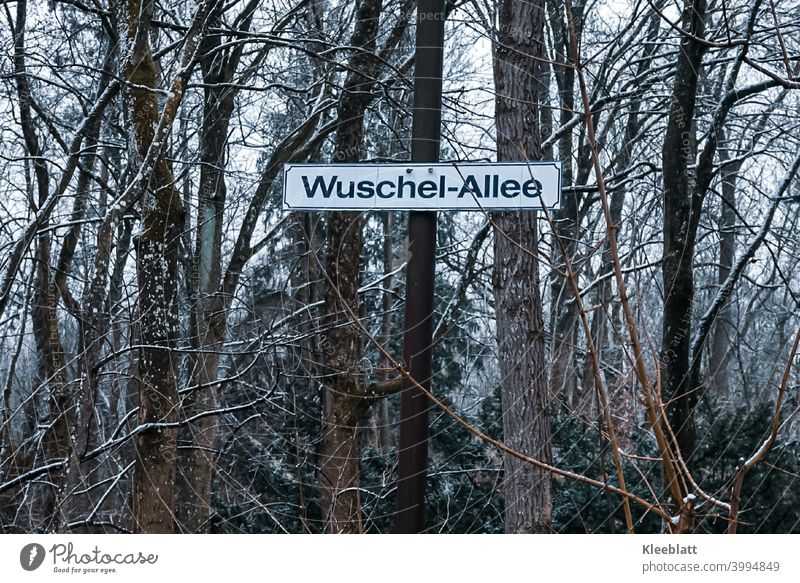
{"x": 681, "y": 217}
{"x": 93, "y": 326}
{"x": 520, "y": 330}
{"x": 340, "y": 452}
{"x": 44, "y": 318}
{"x": 208, "y": 317}
{"x": 564, "y": 314}
{"x": 162, "y": 219}
{"x": 719, "y": 354}
{"x": 383, "y": 440}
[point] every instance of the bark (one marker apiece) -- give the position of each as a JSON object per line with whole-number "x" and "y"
{"x": 520, "y": 330}
{"x": 340, "y": 451}
{"x": 382, "y": 436}
{"x": 157, "y": 247}
{"x": 564, "y": 316}
{"x": 719, "y": 355}
{"x": 681, "y": 210}
{"x": 208, "y": 316}
{"x": 684, "y": 193}
{"x": 724, "y": 329}
{"x": 93, "y": 319}
{"x": 211, "y": 292}
{"x": 13, "y": 462}
{"x": 44, "y": 318}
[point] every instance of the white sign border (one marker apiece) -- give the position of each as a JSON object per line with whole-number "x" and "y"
{"x": 557, "y": 164}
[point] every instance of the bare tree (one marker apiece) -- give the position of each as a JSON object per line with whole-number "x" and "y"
{"x": 520, "y": 329}
{"x": 177, "y": 353}
{"x": 157, "y": 250}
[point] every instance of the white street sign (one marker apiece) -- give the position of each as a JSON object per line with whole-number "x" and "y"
{"x": 454, "y": 186}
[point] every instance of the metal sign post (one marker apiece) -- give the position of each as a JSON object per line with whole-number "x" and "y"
{"x": 412, "y": 467}
{"x": 421, "y": 186}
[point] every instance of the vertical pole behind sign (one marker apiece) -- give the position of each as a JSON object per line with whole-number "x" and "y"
{"x": 425, "y": 132}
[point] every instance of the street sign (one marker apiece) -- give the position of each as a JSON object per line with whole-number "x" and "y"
{"x": 459, "y": 186}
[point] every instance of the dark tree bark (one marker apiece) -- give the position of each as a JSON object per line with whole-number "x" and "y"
{"x": 520, "y": 330}
{"x": 566, "y": 220}
{"x": 684, "y": 193}
{"x": 342, "y": 409}
{"x": 208, "y": 316}
{"x": 44, "y": 319}
{"x": 381, "y": 418}
{"x": 681, "y": 218}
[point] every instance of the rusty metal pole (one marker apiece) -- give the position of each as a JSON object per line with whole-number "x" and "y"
{"x": 426, "y": 124}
